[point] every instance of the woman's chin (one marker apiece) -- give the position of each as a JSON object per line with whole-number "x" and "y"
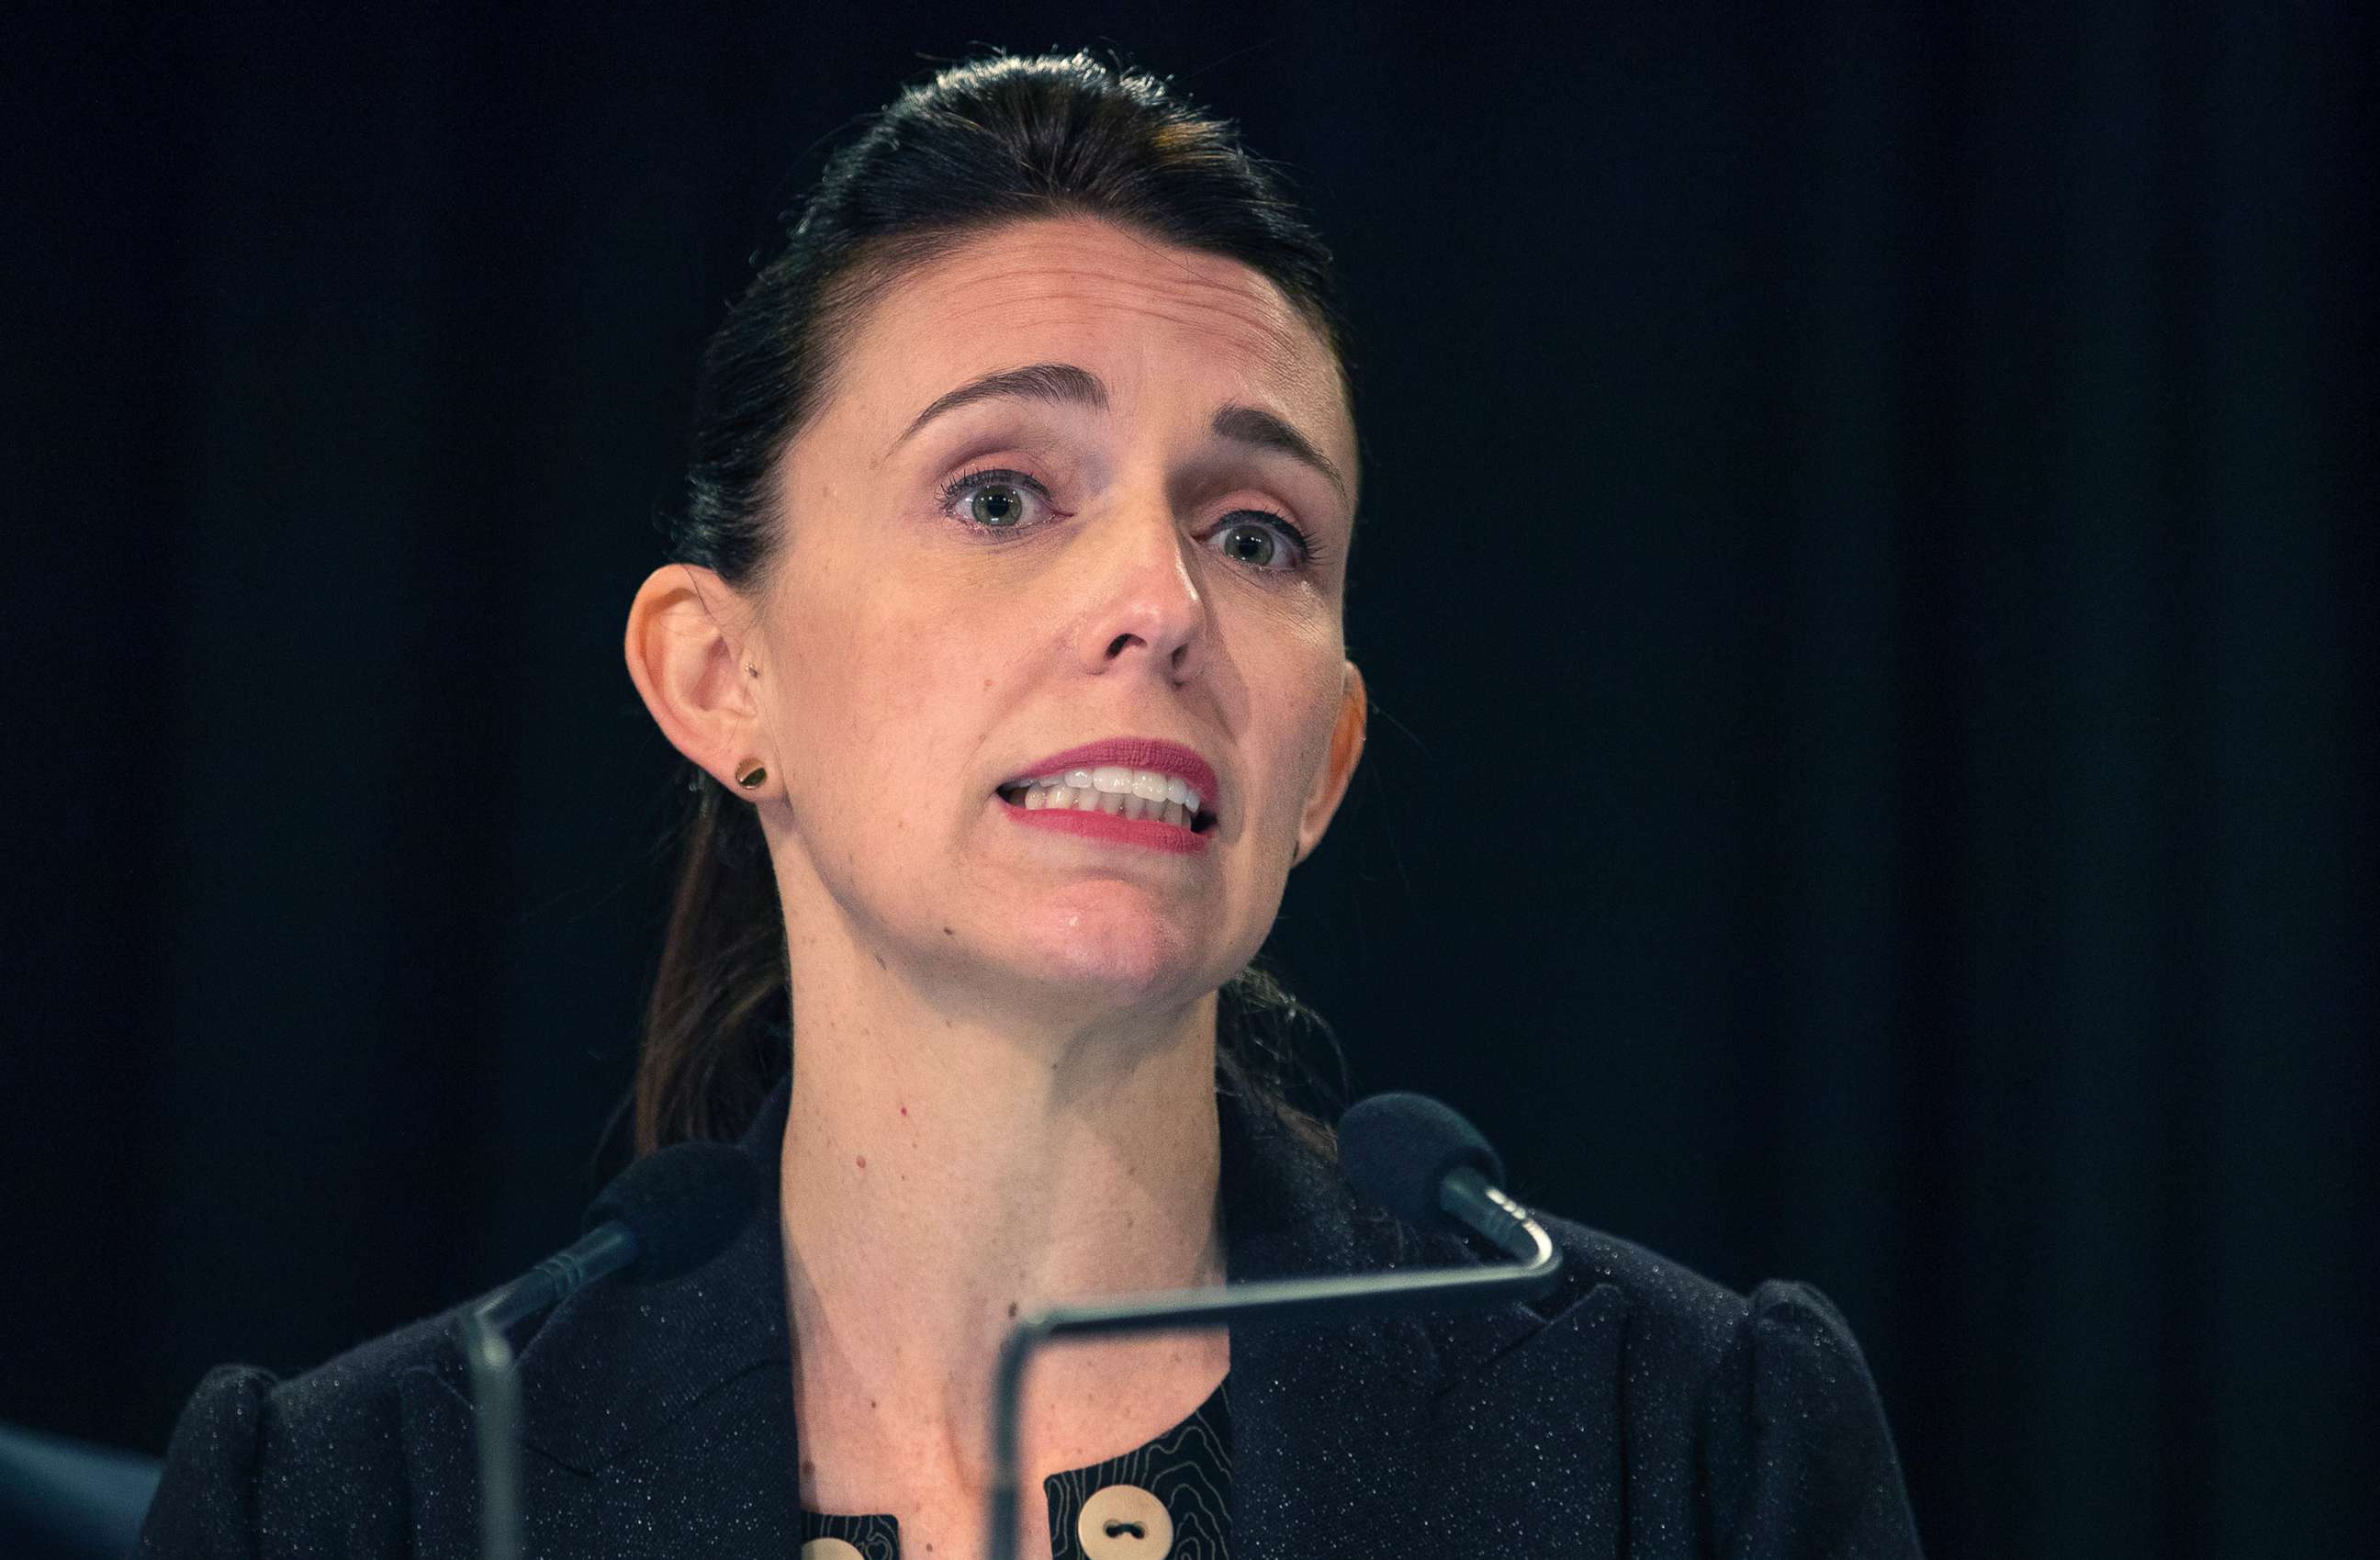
{"x": 1112, "y": 961}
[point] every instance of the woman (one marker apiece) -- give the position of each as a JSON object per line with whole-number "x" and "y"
{"x": 1004, "y": 633}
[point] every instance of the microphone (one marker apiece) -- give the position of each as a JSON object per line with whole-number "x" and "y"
{"x": 663, "y": 1217}
{"x": 1408, "y": 1153}
{"x": 1424, "y": 1163}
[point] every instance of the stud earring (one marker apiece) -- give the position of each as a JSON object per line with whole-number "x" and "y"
{"x": 750, "y": 778}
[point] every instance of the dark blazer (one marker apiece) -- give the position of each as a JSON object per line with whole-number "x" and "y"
{"x": 1639, "y": 1411}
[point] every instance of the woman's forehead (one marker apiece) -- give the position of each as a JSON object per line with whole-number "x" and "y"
{"x": 1135, "y": 312}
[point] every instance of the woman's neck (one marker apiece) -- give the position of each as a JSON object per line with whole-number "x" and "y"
{"x": 942, "y": 1175}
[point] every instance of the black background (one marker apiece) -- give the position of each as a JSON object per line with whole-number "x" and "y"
{"x": 1867, "y": 584}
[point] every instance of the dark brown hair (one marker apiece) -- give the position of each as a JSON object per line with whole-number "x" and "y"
{"x": 992, "y": 141}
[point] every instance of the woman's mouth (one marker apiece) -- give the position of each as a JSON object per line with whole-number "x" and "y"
{"x": 1115, "y": 792}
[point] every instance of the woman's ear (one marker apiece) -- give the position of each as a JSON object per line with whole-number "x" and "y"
{"x": 1346, "y": 748}
{"x": 690, "y": 670}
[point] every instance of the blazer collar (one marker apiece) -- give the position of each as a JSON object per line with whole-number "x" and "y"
{"x": 618, "y": 1366}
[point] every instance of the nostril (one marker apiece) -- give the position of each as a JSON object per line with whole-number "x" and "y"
{"x": 1116, "y": 646}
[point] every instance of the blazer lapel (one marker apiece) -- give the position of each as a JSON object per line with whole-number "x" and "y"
{"x": 1322, "y": 1414}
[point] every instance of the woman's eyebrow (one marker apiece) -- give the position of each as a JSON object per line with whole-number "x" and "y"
{"x": 1254, "y": 425}
{"x": 1060, "y": 382}
{"x": 1065, "y": 384}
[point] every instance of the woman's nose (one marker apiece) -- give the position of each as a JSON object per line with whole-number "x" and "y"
{"x": 1144, "y": 606}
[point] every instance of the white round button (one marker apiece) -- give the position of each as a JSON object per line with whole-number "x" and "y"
{"x": 831, "y": 1548}
{"x": 1124, "y": 1522}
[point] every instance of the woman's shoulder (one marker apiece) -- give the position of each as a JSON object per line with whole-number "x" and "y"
{"x": 1640, "y": 1392}
{"x": 1679, "y": 1336}
{"x": 315, "y": 1461}
{"x": 1695, "y": 1318}
{"x": 1680, "y": 1327}
{"x": 353, "y": 1394}
{"x": 1760, "y": 1400}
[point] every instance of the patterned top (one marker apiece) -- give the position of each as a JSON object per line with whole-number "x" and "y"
{"x": 1169, "y": 1499}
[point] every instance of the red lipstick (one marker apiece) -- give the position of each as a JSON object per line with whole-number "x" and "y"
{"x": 1112, "y": 827}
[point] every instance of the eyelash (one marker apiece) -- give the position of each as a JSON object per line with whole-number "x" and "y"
{"x": 1309, "y": 556}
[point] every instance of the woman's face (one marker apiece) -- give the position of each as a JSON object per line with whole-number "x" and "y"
{"x": 1140, "y": 541}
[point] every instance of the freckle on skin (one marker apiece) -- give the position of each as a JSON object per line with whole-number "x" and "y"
{"x": 862, "y": 1161}
{"x": 948, "y": 933}
{"x": 1012, "y": 1308}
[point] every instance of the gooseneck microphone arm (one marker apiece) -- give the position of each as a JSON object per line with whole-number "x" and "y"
{"x": 603, "y": 1250}
{"x": 1389, "y": 1128}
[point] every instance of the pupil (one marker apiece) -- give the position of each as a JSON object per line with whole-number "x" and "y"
{"x": 1251, "y": 545}
{"x": 996, "y": 505}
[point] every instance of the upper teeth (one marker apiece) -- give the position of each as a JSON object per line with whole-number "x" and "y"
{"x": 1113, "y": 788}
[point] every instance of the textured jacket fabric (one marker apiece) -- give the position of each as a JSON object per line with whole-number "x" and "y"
{"x": 1638, "y": 1411}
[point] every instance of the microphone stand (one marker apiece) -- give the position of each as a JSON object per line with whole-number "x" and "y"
{"x": 495, "y": 1399}
{"x": 1465, "y": 1195}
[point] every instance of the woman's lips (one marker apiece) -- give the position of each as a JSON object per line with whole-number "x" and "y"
{"x": 1143, "y": 790}
{"x": 1132, "y": 753}
{"x": 1111, "y": 827}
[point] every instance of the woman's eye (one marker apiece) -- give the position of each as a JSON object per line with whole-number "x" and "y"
{"x": 997, "y": 500}
{"x": 1269, "y": 542}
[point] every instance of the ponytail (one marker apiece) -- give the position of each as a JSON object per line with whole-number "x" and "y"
{"x": 716, "y": 1027}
